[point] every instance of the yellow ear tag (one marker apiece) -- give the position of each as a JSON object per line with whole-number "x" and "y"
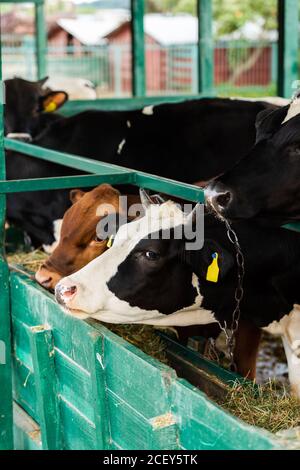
{"x": 109, "y": 241}
{"x": 50, "y": 107}
{"x": 213, "y": 269}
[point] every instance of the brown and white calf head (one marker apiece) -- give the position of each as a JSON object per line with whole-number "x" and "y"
{"x": 79, "y": 243}
{"x": 134, "y": 281}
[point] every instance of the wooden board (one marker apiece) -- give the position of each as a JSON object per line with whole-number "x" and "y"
{"x": 106, "y": 393}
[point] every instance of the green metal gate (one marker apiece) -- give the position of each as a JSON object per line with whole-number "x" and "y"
{"x": 71, "y": 377}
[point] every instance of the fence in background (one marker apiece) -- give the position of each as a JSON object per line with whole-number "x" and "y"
{"x": 240, "y": 67}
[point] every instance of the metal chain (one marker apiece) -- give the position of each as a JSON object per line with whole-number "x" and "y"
{"x": 230, "y": 331}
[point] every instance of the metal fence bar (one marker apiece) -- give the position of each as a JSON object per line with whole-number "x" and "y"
{"x": 138, "y": 48}
{"x": 288, "y": 27}
{"x": 41, "y": 39}
{"x": 64, "y": 182}
{"x": 205, "y": 47}
{"x": 106, "y": 170}
{"x": 6, "y": 422}
{"x": 73, "y": 161}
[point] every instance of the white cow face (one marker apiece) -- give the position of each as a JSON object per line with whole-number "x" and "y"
{"x": 140, "y": 279}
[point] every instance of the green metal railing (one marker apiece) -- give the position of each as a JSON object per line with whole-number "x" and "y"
{"x": 99, "y": 171}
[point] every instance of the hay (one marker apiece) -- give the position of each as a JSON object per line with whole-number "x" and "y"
{"x": 30, "y": 261}
{"x": 143, "y": 337}
{"x": 268, "y": 406}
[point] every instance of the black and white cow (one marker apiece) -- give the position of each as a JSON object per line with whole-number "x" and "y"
{"x": 29, "y": 107}
{"x": 266, "y": 183}
{"x": 191, "y": 142}
{"x": 149, "y": 276}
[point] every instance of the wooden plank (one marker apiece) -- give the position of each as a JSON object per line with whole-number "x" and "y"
{"x": 6, "y": 422}
{"x": 27, "y": 434}
{"x": 206, "y": 426}
{"x": 21, "y": 342}
{"x": 79, "y": 433}
{"x": 99, "y": 392}
{"x": 33, "y": 305}
{"x": 24, "y": 388}
{"x": 70, "y": 373}
{"x": 42, "y": 348}
{"x": 288, "y": 24}
{"x": 205, "y": 47}
{"x": 132, "y": 431}
{"x": 137, "y": 379}
{"x": 138, "y": 48}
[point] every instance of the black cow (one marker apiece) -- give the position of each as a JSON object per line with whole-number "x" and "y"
{"x": 151, "y": 276}
{"x": 29, "y": 107}
{"x": 191, "y": 141}
{"x": 266, "y": 183}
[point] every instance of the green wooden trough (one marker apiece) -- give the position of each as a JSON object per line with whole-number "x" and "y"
{"x": 77, "y": 385}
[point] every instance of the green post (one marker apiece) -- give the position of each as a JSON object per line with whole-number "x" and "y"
{"x": 41, "y": 39}
{"x": 288, "y": 22}
{"x": 6, "y": 426}
{"x": 138, "y": 48}
{"x": 205, "y": 48}
{"x": 42, "y": 350}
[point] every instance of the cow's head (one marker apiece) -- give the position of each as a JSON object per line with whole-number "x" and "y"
{"x": 79, "y": 242}
{"x": 267, "y": 181}
{"x": 24, "y": 103}
{"x": 148, "y": 276}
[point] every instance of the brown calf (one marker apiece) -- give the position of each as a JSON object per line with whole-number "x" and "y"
{"x": 78, "y": 243}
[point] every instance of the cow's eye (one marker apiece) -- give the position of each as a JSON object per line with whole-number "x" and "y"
{"x": 152, "y": 255}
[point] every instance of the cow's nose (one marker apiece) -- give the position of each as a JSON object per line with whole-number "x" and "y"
{"x": 222, "y": 200}
{"x": 47, "y": 278}
{"x": 218, "y": 197}
{"x": 64, "y": 293}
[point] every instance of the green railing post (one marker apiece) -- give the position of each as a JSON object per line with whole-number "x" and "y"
{"x": 205, "y": 47}
{"x": 288, "y": 24}
{"x": 138, "y": 48}
{"x": 6, "y": 424}
{"x": 41, "y": 39}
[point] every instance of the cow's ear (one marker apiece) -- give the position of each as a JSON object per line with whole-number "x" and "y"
{"x": 75, "y": 195}
{"x": 214, "y": 253}
{"x": 42, "y": 81}
{"x": 53, "y": 101}
{"x": 268, "y": 122}
{"x": 212, "y": 258}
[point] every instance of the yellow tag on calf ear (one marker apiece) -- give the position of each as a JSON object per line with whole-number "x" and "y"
{"x": 110, "y": 241}
{"x": 49, "y": 108}
{"x": 213, "y": 269}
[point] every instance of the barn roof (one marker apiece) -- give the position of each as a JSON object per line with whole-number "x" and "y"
{"x": 163, "y": 28}
{"x": 92, "y": 29}
{"x": 171, "y": 29}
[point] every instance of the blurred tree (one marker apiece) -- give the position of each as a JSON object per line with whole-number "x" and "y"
{"x": 229, "y": 15}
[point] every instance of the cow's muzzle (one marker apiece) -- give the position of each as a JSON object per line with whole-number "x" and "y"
{"x": 65, "y": 293}
{"x": 218, "y": 197}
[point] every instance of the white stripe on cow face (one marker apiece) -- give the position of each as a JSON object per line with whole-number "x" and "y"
{"x": 56, "y": 233}
{"x": 148, "y": 110}
{"x": 93, "y": 295}
{"x": 293, "y": 111}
